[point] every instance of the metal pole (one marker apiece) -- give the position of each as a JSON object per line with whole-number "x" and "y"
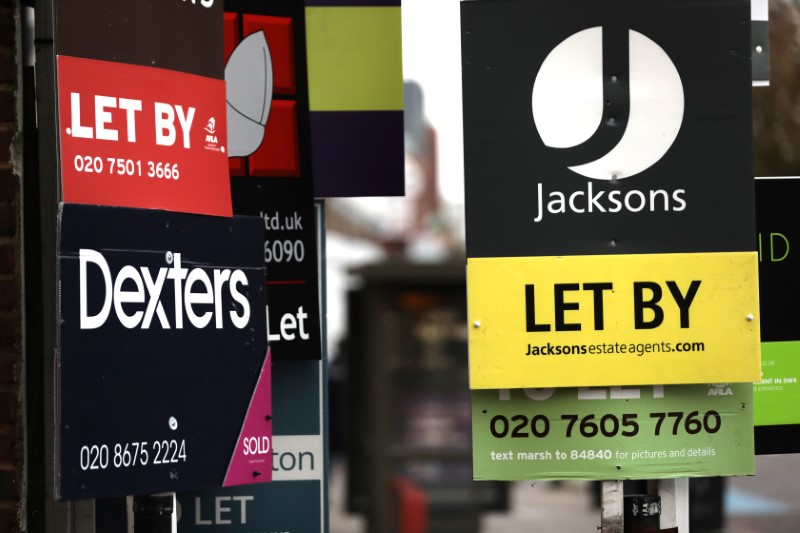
{"x": 674, "y": 504}
{"x": 611, "y": 513}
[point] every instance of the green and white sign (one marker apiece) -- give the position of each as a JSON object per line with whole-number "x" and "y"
{"x": 777, "y": 395}
{"x": 602, "y": 433}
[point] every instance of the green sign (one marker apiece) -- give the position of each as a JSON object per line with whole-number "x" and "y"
{"x": 777, "y": 395}
{"x": 613, "y": 432}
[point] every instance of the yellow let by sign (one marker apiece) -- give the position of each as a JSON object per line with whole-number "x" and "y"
{"x": 613, "y": 320}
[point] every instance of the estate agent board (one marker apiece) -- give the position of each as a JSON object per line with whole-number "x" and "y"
{"x": 609, "y": 193}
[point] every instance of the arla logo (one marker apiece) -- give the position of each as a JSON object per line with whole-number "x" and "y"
{"x": 572, "y": 98}
{"x": 211, "y": 127}
{"x": 212, "y": 143}
{"x": 720, "y": 389}
{"x": 135, "y": 294}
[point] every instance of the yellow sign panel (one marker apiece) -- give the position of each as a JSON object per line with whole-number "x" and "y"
{"x": 613, "y": 320}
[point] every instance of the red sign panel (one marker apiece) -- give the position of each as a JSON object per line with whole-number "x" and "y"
{"x": 134, "y": 136}
{"x": 279, "y": 153}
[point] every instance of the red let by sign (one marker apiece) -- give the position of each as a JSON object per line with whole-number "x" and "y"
{"x": 134, "y": 136}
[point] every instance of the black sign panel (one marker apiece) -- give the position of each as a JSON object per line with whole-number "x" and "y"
{"x": 294, "y": 500}
{"x": 776, "y": 417}
{"x": 779, "y": 265}
{"x": 607, "y": 127}
{"x": 184, "y": 35}
{"x": 290, "y": 256}
{"x": 161, "y": 344}
{"x": 268, "y": 182}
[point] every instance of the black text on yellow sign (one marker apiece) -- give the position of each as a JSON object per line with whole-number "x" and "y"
{"x": 647, "y": 296}
{"x": 613, "y": 320}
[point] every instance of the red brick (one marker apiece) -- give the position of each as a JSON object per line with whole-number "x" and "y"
{"x": 9, "y": 336}
{"x": 8, "y": 65}
{"x": 8, "y": 520}
{"x": 8, "y": 375}
{"x": 7, "y": 23}
{"x": 9, "y": 408}
{"x": 9, "y": 486}
{"x": 8, "y": 106}
{"x": 6, "y": 136}
{"x": 9, "y": 185}
{"x": 9, "y": 295}
{"x": 8, "y": 259}
{"x": 8, "y": 447}
{"x": 10, "y": 323}
{"x": 8, "y": 220}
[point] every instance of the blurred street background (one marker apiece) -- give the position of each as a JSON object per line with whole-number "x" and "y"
{"x": 766, "y": 503}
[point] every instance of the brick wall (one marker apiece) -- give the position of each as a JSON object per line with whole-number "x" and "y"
{"x": 11, "y": 417}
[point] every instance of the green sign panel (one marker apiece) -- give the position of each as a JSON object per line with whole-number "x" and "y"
{"x": 613, "y": 432}
{"x": 777, "y": 395}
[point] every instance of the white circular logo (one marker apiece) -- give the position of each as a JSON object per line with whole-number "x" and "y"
{"x": 568, "y": 103}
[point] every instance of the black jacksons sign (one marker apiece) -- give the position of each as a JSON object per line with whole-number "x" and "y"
{"x": 162, "y": 339}
{"x": 624, "y": 130}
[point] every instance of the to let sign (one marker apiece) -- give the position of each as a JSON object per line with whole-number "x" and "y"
{"x": 613, "y": 432}
{"x": 609, "y": 206}
{"x": 163, "y": 373}
{"x": 141, "y": 99}
{"x": 136, "y": 137}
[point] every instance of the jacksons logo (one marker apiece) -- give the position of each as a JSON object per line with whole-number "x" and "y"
{"x": 591, "y": 201}
{"x": 198, "y": 294}
{"x": 611, "y": 102}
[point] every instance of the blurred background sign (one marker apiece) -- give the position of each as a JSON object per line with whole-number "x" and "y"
{"x": 407, "y": 401}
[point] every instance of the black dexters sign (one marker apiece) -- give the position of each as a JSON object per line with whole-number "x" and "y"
{"x": 162, "y": 343}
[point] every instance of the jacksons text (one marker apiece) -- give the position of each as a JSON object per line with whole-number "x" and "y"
{"x": 589, "y": 201}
